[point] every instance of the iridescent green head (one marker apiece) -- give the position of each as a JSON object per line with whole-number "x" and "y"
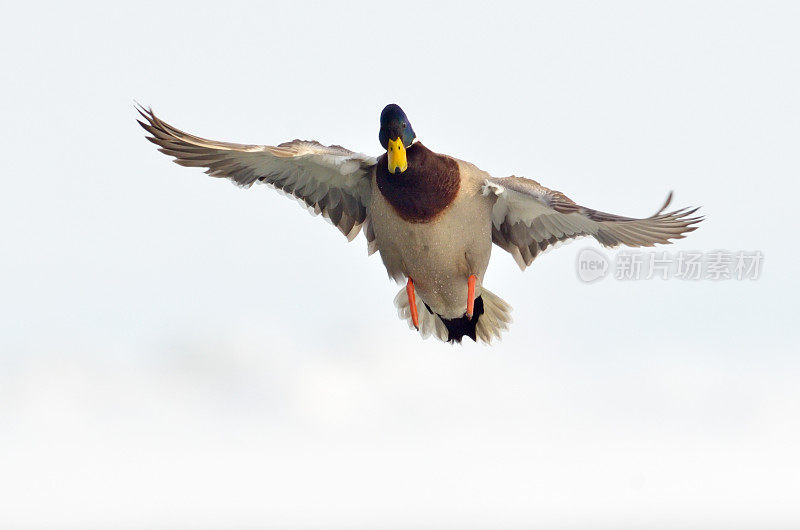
{"x": 395, "y": 136}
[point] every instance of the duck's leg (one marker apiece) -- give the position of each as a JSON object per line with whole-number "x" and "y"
{"x": 471, "y": 295}
{"x": 412, "y": 302}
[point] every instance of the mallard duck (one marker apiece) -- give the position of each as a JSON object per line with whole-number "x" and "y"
{"x": 431, "y": 217}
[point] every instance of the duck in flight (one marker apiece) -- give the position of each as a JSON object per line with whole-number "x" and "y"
{"x": 431, "y": 217}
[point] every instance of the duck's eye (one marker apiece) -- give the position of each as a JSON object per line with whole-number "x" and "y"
{"x": 404, "y": 126}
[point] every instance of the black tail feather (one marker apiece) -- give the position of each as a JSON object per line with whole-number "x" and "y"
{"x": 458, "y": 328}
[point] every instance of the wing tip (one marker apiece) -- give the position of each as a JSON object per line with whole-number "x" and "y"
{"x": 667, "y": 202}
{"x": 146, "y": 112}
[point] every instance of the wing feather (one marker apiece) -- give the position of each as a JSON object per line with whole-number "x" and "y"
{"x": 329, "y": 180}
{"x": 528, "y": 218}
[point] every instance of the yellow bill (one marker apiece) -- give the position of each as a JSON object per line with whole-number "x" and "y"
{"x": 397, "y": 156}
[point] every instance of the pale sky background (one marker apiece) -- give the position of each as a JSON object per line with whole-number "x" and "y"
{"x": 180, "y": 353}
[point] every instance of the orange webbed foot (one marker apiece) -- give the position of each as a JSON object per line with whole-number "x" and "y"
{"x": 471, "y": 295}
{"x": 412, "y": 302}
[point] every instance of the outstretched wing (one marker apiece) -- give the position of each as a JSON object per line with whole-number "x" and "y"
{"x": 527, "y": 218}
{"x": 331, "y": 180}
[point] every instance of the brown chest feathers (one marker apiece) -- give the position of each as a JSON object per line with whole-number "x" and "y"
{"x": 425, "y": 189}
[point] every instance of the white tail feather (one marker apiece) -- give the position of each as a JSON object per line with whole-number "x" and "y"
{"x": 495, "y": 318}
